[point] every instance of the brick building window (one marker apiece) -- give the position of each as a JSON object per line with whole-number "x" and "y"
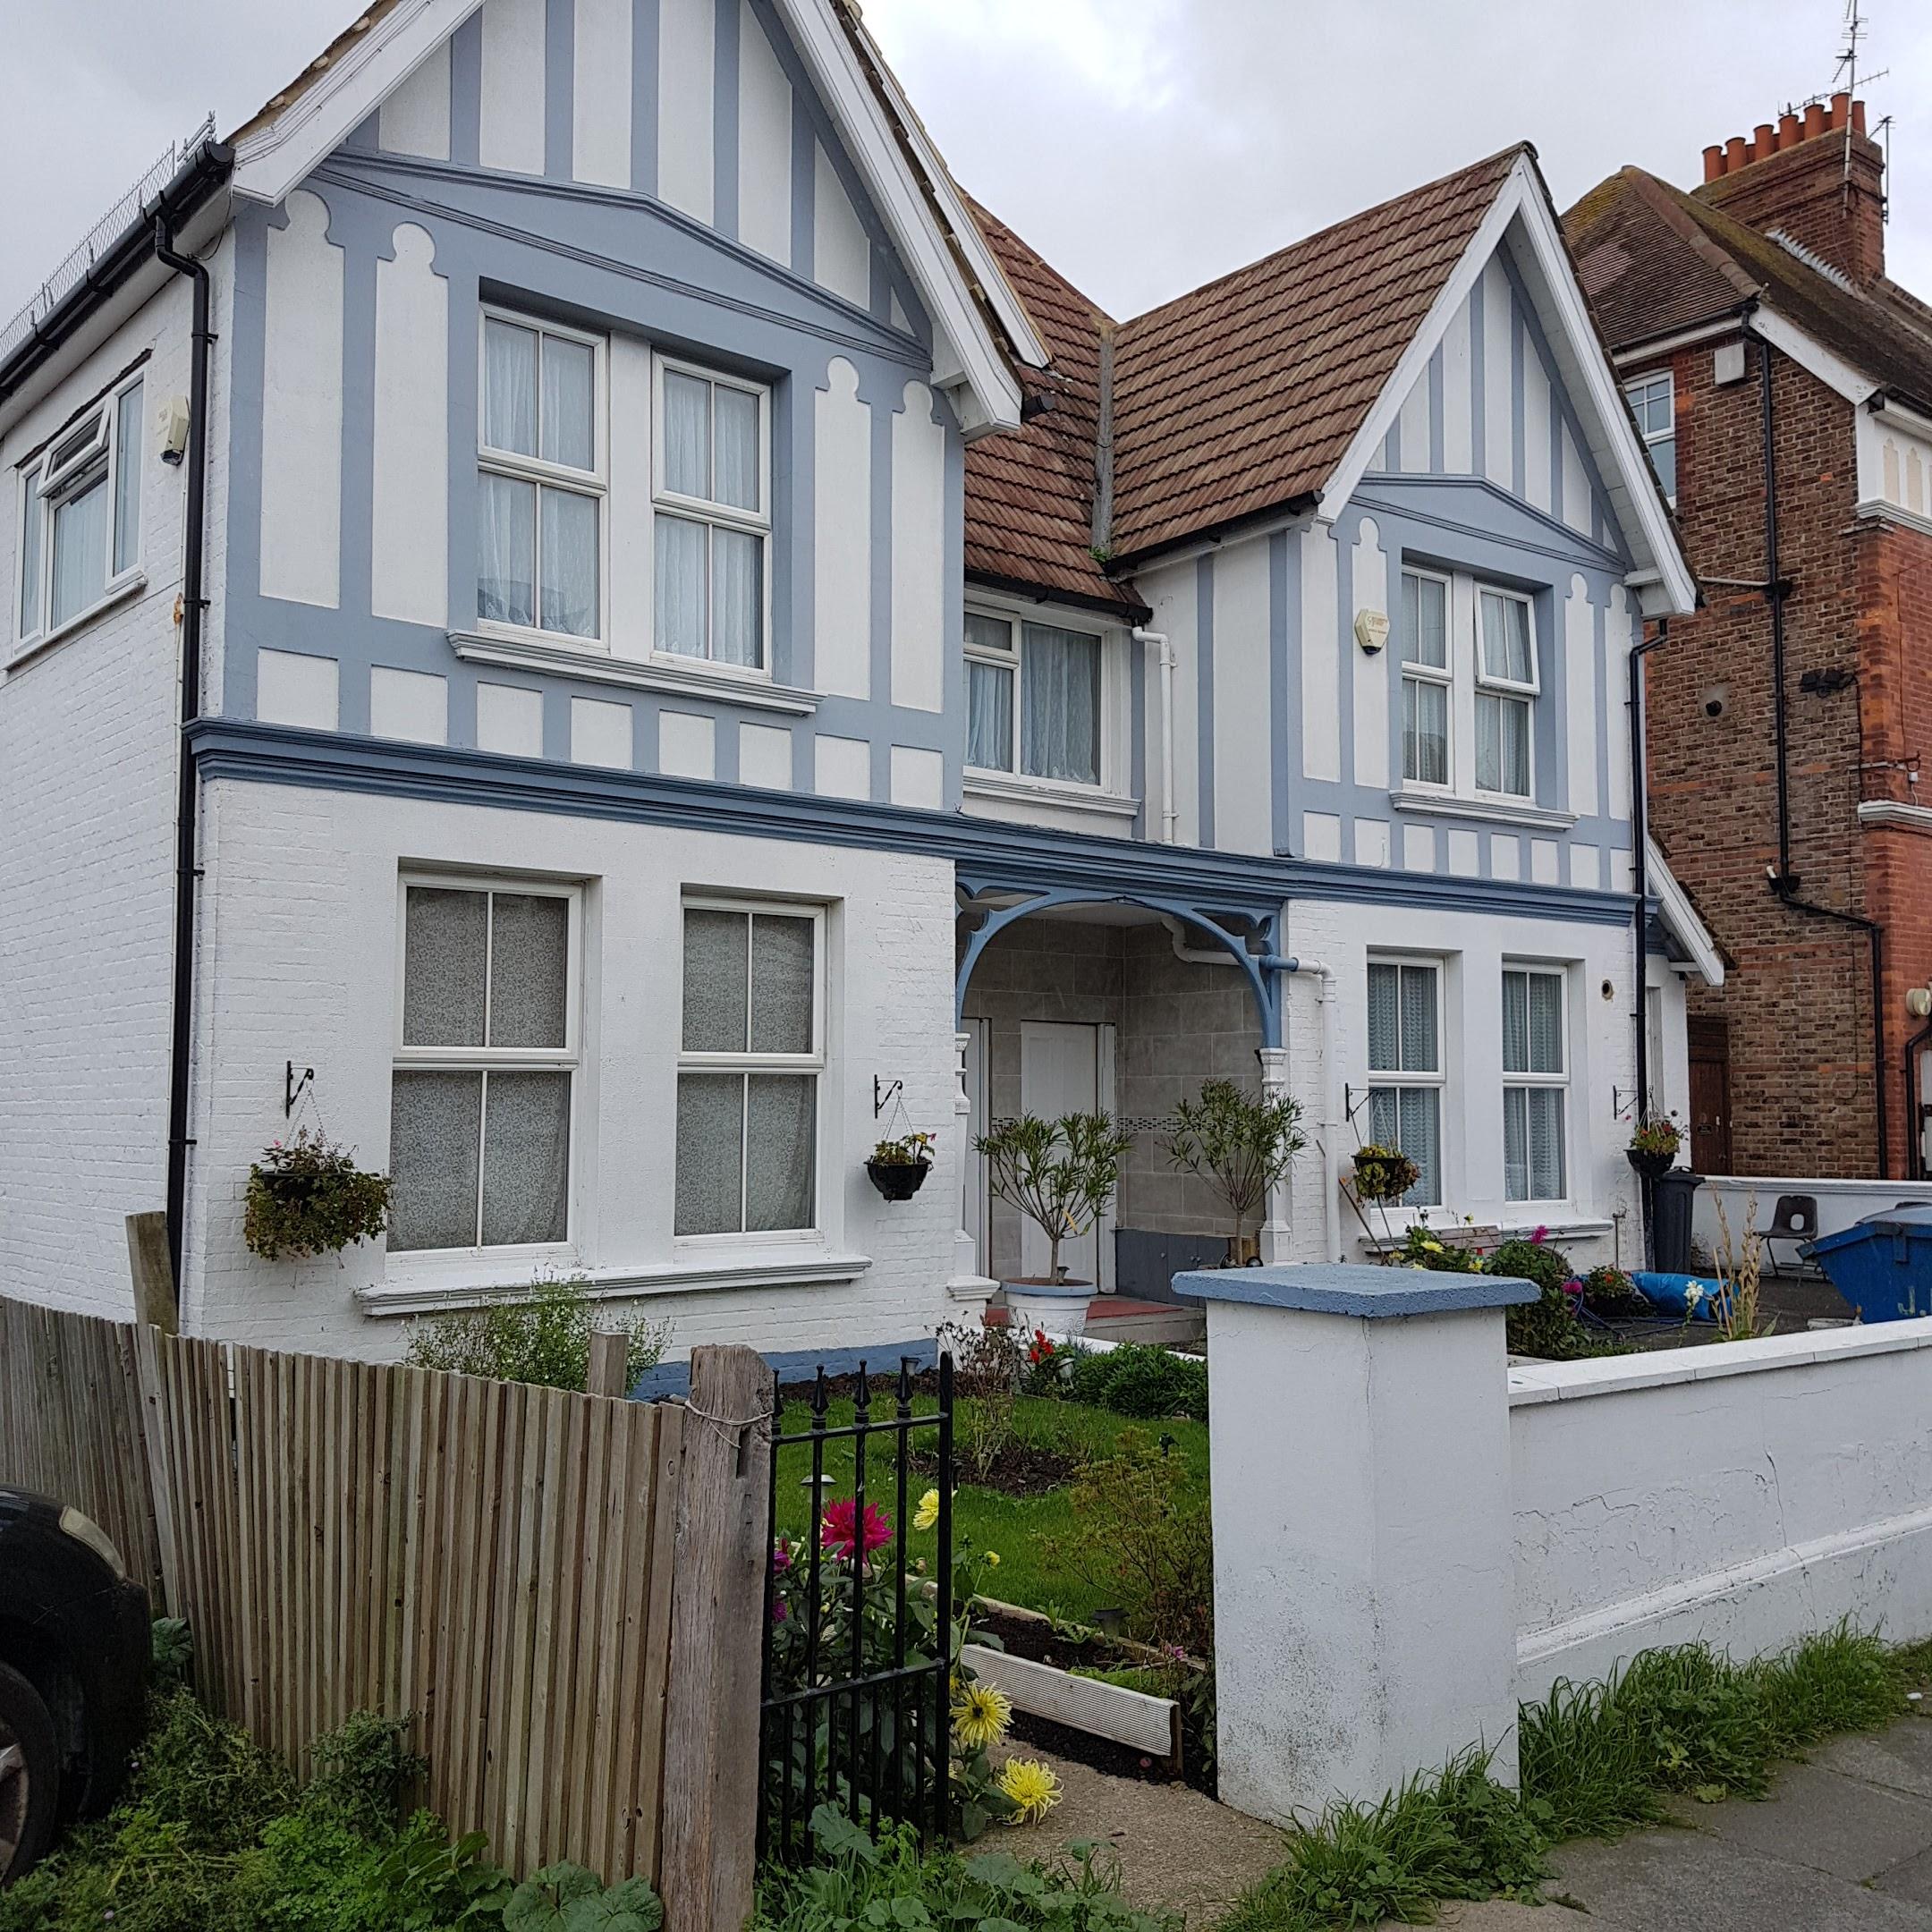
{"x": 752, "y": 1049}
{"x": 486, "y": 1058}
{"x": 1653, "y": 402}
{"x": 1535, "y": 1083}
{"x": 1405, "y": 1068}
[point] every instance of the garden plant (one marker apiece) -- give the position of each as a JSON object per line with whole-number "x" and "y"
{"x": 1240, "y": 1143}
{"x": 307, "y": 1197}
{"x": 1059, "y": 1173}
{"x": 543, "y": 1338}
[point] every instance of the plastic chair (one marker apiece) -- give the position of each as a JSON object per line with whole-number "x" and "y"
{"x": 1796, "y": 1221}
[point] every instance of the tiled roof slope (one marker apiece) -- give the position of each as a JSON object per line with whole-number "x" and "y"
{"x": 1653, "y": 259}
{"x": 1245, "y": 394}
{"x": 1030, "y": 492}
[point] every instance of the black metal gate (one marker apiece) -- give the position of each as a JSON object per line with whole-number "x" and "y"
{"x": 858, "y": 1652}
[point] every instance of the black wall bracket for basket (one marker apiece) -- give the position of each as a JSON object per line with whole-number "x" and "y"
{"x": 293, "y": 1088}
{"x": 884, "y": 1096}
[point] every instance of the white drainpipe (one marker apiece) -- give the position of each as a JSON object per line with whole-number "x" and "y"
{"x": 1170, "y": 812}
{"x": 1332, "y": 1123}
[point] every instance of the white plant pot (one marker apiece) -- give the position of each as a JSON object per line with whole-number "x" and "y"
{"x": 1059, "y": 1308}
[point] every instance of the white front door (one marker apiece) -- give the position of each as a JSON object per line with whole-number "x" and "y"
{"x": 1067, "y": 1069}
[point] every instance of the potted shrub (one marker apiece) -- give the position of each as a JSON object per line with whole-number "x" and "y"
{"x": 308, "y": 1197}
{"x": 1060, "y": 1174}
{"x": 1241, "y": 1144}
{"x": 1653, "y": 1147}
{"x": 899, "y": 1168}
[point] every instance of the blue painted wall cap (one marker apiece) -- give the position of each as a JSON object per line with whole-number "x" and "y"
{"x": 1353, "y": 1288}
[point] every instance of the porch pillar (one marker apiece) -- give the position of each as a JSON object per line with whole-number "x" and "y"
{"x": 1275, "y": 1232}
{"x": 966, "y": 1283}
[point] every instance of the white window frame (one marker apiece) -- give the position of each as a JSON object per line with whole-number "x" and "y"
{"x": 1443, "y": 674}
{"x": 1378, "y": 1078}
{"x": 1642, "y": 384}
{"x": 44, "y": 488}
{"x": 567, "y": 1059}
{"x": 1508, "y": 690}
{"x": 703, "y": 510}
{"x": 813, "y": 1063}
{"x": 1559, "y": 1082}
{"x": 1014, "y": 660}
{"x": 519, "y": 468}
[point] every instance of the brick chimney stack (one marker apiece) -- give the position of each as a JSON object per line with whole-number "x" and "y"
{"x": 1792, "y": 178}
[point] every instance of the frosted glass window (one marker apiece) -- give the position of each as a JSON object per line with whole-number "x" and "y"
{"x": 1534, "y": 1100}
{"x": 712, "y": 521}
{"x": 481, "y": 1100}
{"x": 32, "y": 516}
{"x": 748, "y": 1083}
{"x": 1405, "y": 1040}
{"x": 127, "y": 479}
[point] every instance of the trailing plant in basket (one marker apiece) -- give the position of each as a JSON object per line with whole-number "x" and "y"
{"x": 308, "y": 1197}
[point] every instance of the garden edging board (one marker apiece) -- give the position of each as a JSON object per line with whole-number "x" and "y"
{"x": 1149, "y": 1725}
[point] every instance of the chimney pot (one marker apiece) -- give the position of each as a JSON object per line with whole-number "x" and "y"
{"x": 1858, "y": 117}
{"x": 1763, "y": 140}
{"x": 1735, "y": 156}
{"x": 1841, "y": 112}
{"x": 1814, "y": 120}
{"x": 1713, "y": 163}
{"x": 1788, "y": 133}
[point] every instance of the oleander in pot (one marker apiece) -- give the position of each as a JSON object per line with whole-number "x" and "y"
{"x": 307, "y": 1197}
{"x": 898, "y": 1168}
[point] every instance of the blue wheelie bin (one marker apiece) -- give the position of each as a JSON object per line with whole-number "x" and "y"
{"x": 1882, "y": 1265}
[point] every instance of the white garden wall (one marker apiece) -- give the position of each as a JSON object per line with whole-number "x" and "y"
{"x": 1840, "y": 1203}
{"x": 1742, "y": 1493}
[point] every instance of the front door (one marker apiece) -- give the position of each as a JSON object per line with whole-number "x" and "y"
{"x": 1710, "y": 1097}
{"x": 1066, "y": 1069}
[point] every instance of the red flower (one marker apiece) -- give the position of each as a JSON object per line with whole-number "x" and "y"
{"x": 842, "y": 1529}
{"x": 1040, "y": 1348}
{"x": 1539, "y": 1235}
{"x": 781, "y": 1555}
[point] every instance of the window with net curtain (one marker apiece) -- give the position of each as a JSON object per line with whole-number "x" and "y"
{"x": 480, "y": 1110}
{"x": 1505, "y": 694}
{"x": 1033, "y": 699}
{"x": 539, "y": 487}
{"x": 711, "y": 518}
{"x": 1406, "y": 1070}
{"x": 1426, "y": 678}
{"x": 80, "y": 515}
{"x": 1534, "y": 1092}
{"x": 748, "y": 1071}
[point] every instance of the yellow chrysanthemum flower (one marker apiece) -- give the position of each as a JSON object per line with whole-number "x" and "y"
{"x": 1433, "y": 1247}
{"x": 991, "y": 1558}
{"x": 927, "y": 1512}
{"x": 981, "y": 1716}
{"x": 1033, "y": 1789}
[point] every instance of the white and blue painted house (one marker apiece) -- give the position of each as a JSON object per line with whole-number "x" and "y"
{"x": 582, "y": 621}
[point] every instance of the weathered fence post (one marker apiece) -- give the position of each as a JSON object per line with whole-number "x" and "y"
{"x": 711, "y": 1723}
{"x": 610, "y": 1356}
{"x": 1365, "y": 1596}
{"x": 152, "y": 1271}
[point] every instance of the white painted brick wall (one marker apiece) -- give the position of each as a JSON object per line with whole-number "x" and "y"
{"x": 88, "y": 741}
{"x": 300, "y": 964}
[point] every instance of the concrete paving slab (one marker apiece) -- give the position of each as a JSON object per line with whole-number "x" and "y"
{"x": 1683, "y": 1881}
{"x": 1830, "y": 1822}
{"x": 1900, "y": 1758}
{"x": 1912, "y": 1879}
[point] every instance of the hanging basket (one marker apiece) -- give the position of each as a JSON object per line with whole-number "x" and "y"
{"x": 1651, "y": 1164}
{"x": 898, "y": 1180}
{"x": 307, "y": 1197}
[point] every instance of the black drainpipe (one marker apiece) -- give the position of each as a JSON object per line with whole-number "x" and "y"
{"x": 1640, "y": 857}
{"x": 194, "y": 603}
{"x": 1784, "y": 882}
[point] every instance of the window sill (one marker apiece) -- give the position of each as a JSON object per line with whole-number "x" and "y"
{"x": 593, "y": 663}
{"x": 1493, "y": 810}
{"x": 439, "y": 1291}
{"x": 1048, "y": 791}
{"x": 127, "y": 587}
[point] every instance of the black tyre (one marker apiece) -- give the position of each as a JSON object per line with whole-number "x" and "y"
{"x": 29, "y": 1775}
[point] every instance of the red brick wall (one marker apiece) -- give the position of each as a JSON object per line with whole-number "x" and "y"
{"x": 1797, "y": 996}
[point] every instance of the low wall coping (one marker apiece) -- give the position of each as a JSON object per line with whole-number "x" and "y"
{"x": 1353, "y": 1288}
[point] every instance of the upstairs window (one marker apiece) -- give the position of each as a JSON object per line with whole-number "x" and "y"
{"x": 1033, "y": 699}
{"x": 1653, "y": 402}
{"x": 80, "y": 527}
{"x": 1405, "y": 1068}
{"x": 1426, "y": 678}
{"x": 711, "y": 493}
{"x": 1535, "y": 1083}
{"x": 1505, "y": 692}
{"x": 540, "y": 482}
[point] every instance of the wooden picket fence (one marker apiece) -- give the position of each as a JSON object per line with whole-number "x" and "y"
{"x": 563, "y": 1589}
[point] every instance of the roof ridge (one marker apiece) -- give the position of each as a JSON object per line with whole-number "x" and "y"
{"x": 1687, "y": 218}
{"x": 982, "y": 213}
{"x": 1511, "y": 153}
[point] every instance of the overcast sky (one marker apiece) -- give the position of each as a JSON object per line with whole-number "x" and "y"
{"x": 1143, "y": 146}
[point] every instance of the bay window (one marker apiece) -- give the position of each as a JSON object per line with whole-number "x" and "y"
{"x": 1405, "y": 1068}
{"x": 751, "y": 1053}
{"x": 1033, "y": 699}
{"x": 482, "y": 1088}
{"x": 540, "y": 484}
{"x": 711, "y": 512}
{"x": 80, "y": 525}
{"x": 1534, "y": 1095}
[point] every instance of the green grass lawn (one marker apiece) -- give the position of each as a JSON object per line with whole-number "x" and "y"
{"x": 1019, "y": 1528}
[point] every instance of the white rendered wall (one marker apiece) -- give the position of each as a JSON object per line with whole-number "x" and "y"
{"x": 1744, "y": 1493}
{"x": 300, "y": 949}
{"x": 88, "y": 737}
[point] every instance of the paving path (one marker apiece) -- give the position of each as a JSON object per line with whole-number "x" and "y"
{"x": 1843, "y": 1844}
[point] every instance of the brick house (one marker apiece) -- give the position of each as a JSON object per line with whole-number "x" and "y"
{"x": 1752, "y": 318}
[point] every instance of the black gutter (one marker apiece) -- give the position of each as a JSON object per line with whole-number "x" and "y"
{"x": 194, "y": 183}
{"x": 1784, "y": 881}
{"x": 194, "y": 603}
